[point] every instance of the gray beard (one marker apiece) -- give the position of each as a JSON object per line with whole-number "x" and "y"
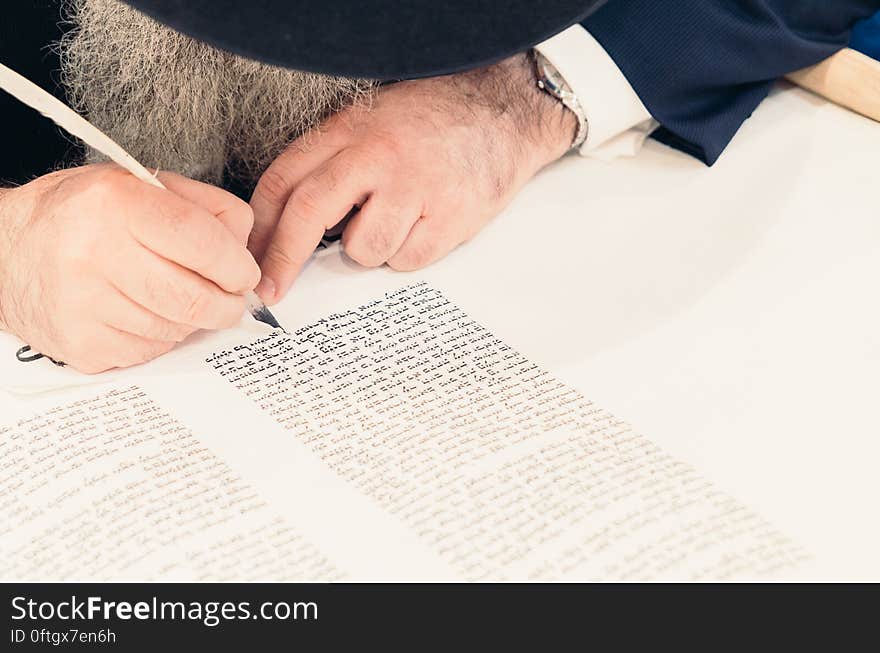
{"x": 178, "y": 104}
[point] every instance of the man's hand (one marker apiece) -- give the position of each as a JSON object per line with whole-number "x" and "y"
{"x": 428, "y": 163}
{"x": 101, "y": 270}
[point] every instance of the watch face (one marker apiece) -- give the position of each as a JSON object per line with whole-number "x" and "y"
{"x": 553, "y": 81}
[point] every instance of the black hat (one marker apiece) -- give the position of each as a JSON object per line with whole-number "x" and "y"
{"x": 380, "y": 39}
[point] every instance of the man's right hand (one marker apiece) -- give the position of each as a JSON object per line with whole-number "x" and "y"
{"x": 101, "y": 270}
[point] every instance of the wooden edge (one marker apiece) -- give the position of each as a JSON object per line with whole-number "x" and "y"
{"x": 849, "y": 78}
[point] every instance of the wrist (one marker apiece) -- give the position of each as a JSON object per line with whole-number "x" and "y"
{"x": 561, "y": 128}
{"x": 551, "y": 126}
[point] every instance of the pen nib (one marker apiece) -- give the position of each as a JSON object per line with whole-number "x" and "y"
{"x": 261, "y": 312}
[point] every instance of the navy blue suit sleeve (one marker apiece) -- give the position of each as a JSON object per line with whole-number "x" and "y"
{"x": 701, "y": 67}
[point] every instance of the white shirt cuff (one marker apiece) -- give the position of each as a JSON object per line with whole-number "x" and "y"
{"x": 618, "y": 121}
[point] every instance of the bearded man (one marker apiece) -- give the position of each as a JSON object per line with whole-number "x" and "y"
{"x": 101, "y": 270}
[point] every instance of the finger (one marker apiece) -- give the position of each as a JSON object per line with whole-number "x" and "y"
{"x": 180, "y": 231}
{"x": 290, "y": 168}
{"x": 127, "y": 349}
{"x": 104, "y": 348}
{"x": 123, "y": 314}
{"x": 173, "y": 292}
{"x": 428, "y": 241}
{"x": 316, "y": 204}
{"x": 233, "y": 213}
{"x": 379, "y": 229}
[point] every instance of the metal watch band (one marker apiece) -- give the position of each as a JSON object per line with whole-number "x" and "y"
{"x": 551, "y": 81}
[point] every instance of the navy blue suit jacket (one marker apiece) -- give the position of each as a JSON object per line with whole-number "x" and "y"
{"x": 702, "y": 66}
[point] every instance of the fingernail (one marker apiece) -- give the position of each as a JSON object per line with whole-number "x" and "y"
{"x": 266, "y": 289}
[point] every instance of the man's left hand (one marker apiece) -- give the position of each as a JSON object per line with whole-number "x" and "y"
{"x": 429, "y": 162}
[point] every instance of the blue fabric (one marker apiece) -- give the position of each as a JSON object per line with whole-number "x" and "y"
{"x": 701, "y": 67}
{"x": 866, "y": 36}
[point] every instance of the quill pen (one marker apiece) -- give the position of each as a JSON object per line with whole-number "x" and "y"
{"x": 62, "y": 115}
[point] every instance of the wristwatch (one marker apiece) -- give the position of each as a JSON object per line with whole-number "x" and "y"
{"x": 551, "y": 81}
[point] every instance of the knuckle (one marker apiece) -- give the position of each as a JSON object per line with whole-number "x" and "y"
{"x": 171, "y": 215}
{"x": 421, "y": 255}
{"x": 197, "y": 308}
{"x": 362, "y": 257}
{"x": 306, "y": 198}
{"x": 415, "y": 256}
{"x": 214, "y": 309}
{"x": 183, "y": 332}
{"x": 108, "y": 186}
{"x": 278, "y": 258}
{"x": 87, "y": 185}
{"x": 398, "y": 263}
{"x": 159, "y": 289}
{"x": 167, "y": 331}
{"x": 176, "y": 217}
{"x": 380, "y": 240}
{"x": 370, "y": 248}
{"x": 161, "y": 349}
{"x": 273, "y": 185}
{"x": 96, "y": 192}
{"x": 182, "y": 302}
{"x": 102, "y": 186}
{"x": 332, "y": 175}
